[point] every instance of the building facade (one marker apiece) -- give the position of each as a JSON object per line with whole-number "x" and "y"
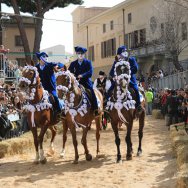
{"x": 11, "y": 38}
{"x": 58, "y": 54}
{"x": 133, "y": 23}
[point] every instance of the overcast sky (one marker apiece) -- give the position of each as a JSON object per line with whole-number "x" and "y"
{"x": 56, "y": 32}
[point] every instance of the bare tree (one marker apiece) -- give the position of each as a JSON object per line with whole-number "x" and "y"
{"x": 172, "y": 33}
{"x": 182, "y": 3}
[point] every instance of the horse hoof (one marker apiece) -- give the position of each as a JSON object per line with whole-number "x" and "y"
{"x": 119, "y": 161}
{"x": 139, "y": 153}
{"x": 129, "y": 157}
{"x": 62, "y": 154}
{"x": 43, "y": 161}
{"x": 35, "y": 162}
{"x": 75, "y": 162}
{"x": 88, "y": 157}
{"x": 98, "y": 156}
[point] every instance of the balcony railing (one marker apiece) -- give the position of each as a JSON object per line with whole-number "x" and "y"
{"x": 149, "y": 50}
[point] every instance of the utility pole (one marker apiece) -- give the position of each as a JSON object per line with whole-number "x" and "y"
{"x": 1, "y": 34}
{"x": 123, "y": 26}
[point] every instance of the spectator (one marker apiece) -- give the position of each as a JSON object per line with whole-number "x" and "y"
{"x": 161, "y": 75}
{"x": 180, "y": 98}
{"x": 185, "y": 108}
{"x": 18, "y": 74}
{"x": 149, "y": 99}
{"x": 172, "y": 108}
{"x": 167, "y": 92}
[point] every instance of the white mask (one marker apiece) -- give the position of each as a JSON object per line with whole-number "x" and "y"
{"x": 80, "y": 56}
{"x": 124, "y": 54}
{"x": 44, "y": 59}
{"x": 100, "y": 76}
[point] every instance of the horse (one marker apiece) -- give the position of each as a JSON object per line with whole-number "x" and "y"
{"x": 39, "y": 110}
{"x": 78, "y": 111}
{"x": 121, "y": 108}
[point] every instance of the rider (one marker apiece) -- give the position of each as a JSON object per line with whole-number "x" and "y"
{"x": 100, "y": 82}
{"x": 122, "y": 54}
{"x": 83, "y": 70}
{"x": 47, "y": 77}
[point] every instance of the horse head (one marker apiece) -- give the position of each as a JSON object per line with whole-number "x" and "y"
{"x": 30, "y": 76}
{"x": 122, "y": 73}
{"x": 65, "y": 82}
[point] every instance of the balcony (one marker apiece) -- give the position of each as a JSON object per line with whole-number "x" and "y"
{"x": 149, "y": 50}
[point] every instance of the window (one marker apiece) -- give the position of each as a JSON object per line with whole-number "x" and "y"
{"x": 135, "y": 39}
{"x": 162, "y": 30}
{"x": 142, "y": 36}
{"x": 184, "y": 31}
{"x": 111, "y": 25}
{"x": 129, "y": 18}
{"x": 78, "y": 27}
{"x": 113, "y": 46}
{"x": 18, "y": 41}
{"x": 108, "y": 48}
{"x": 126, "y": 40}
{"x": 104, "y": 28}
{"x": 91, "y": 54}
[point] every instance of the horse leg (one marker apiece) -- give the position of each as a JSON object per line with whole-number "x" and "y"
{"x": 140, "y": 132}
{"x": 65, "y": 129}
{"x": 98, "y": 125}
{"x": 44, "y": 128}
{"x": 35, "y": 137}
{"x": 117, "y": 139}
{"x": 75, "y": 143}
{"x": 84, "y": 143}
{"x": 128, "y": 141}
{"x": 51, "y": 150}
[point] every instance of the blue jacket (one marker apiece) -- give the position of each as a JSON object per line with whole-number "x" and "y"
{"x": 47, "y": 76}
{"x": 85, "y": 69}
{"x": 134, "y": 69}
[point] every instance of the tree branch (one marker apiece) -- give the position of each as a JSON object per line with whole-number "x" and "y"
{"x": 177, "y": 3}
{"x": 22, "y": 30}
{"x": 39, "y": 7}
{"x": 48, "y": 6}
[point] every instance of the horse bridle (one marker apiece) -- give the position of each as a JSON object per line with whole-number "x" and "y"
{"x": 34, "y": 85}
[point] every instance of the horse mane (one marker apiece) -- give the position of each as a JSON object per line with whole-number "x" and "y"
{"x": 73, "y": 78}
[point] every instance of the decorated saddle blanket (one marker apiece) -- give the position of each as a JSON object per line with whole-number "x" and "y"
{"x": 89, "y": 96}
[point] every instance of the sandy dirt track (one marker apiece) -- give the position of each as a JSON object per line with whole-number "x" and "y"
{"x": 155, "y": 169}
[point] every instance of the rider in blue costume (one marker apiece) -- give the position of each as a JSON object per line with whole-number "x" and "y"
{"x": 83, "y": 70}
{"x": 47, "y": 77}
{"x": 123, "y": 54}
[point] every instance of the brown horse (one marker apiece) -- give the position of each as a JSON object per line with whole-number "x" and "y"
{"x": 78, "y": 110}
{"x": 39, "y": 110}
{"x": 121, "y": 108}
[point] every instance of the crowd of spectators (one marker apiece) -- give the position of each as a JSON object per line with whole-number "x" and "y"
{"x": 11, "y": 103}
{"x": 172, "y": 103}
{"x": 159, "y": 73}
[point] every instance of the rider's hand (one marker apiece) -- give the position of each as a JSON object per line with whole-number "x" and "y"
{"x": 80, "y": 76}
